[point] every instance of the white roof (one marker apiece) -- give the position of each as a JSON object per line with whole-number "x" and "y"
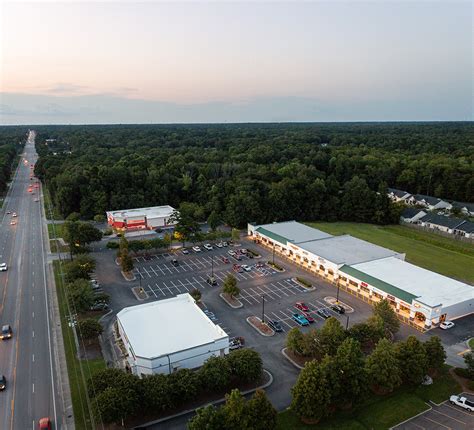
{"x": 294, "y": 231}
{"x": 430, "y": 288}
{"x": 153, "y": 212}
{"x": 346, "y": 249}
{"x": 167, "y": 326}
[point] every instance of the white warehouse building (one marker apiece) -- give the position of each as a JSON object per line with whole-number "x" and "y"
{"x": 168, "y": 335}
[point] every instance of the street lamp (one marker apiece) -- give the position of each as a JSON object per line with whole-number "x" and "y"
{"x": 347, "y": 321}
{"x": 337, "y": 295}
{"x": 273, "y": 260}
{"x": 263, "y": 308}
{"x": 212, "y": 266}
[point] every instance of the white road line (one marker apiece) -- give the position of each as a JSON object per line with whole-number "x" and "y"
{"x": 161, "y": 291}
{"x": 187, "y": 289}
{"x": 146, "y": 271}
{"x": 152, "y": 290}
{"x": 33, "y": 315}
{"x": 153, "y": 270}
{"x": 33, "y": 388}
{"x": 33, "y": 333}
{"x": 167, "y": 287}
{"x": 32, "y": 298}
{"x": 33, "y": 358}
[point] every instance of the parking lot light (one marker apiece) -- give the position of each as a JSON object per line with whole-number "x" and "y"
{"x": 337, "y": 295}
{"x": 347, "y": 321}
{"x": 263, "y": 308}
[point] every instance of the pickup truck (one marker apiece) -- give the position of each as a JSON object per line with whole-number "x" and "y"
{"x": 462, "y": 402}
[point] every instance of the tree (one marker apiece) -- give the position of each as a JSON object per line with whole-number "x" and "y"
{"x": 435, "y": 354}
{"x": 230, "y": 286}
{"x": 79, "y": 234}
{"x": 156, "y": 393}
{"x": 208, "y": 418}
{"x": 310, "y": 345}
{"x": 411, "y": 355}
{"x": 89, "y": 328}
{"x": 469, "y": 360}
{"x": 235, "y": 411}
{"x": 73, "y": 216}
{"x": 331, "y": 335}
{"x": 311, "y": 393}
{"x": 80, "y": 295}
{"x": 186, "y": 224}
{"x": 350, "y": 370}
{"x": 385, "y": 311}
{"x": 99, "y": 218}
{"x": 261, "y": 413}
{"x": 79, "y": 268}
{"x": 184, "y": 385}
{"x": 235, "y": 234}
{"x": 213, "y": 220}
{"x": 294, "y": 340}
{"x": 246, "y": 365}
{"x": 126, "y": 261}
{"x": 215, "y": 374}
{"x": 196, "y": 295}
{"x": 114, "y": 404}
{"x": 382, "y": 367}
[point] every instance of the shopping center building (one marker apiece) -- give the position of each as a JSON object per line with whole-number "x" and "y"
{"x": 420, "y": 297}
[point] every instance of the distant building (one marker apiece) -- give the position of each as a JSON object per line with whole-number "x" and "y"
{"x": 168, "y": 335}
{"x": 465, "y": 208}
{"x": 431, "y": 203}
{"x": 398, "y": 195}
{"x": 441, "y": 222}
{"x": 412, "y": 215}
{"x": 141, "y": 218}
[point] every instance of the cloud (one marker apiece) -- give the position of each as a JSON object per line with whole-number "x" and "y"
{"x": 65, "y": 88}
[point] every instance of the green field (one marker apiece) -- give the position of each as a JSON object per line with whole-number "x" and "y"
{"x": 381, "y": 412}
{"x": 55, "y": 228}
{"x": 439, "y": 254}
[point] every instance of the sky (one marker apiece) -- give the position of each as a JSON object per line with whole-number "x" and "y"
{"x": 171, "y": 62}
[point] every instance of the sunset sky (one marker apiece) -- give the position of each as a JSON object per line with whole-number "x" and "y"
{"x": 93, "y": 62}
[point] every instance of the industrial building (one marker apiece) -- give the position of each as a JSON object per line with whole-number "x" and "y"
{"x": 141, "y": 218}
{"x": 168, "y": 335}
{"x": 420, "y": 297}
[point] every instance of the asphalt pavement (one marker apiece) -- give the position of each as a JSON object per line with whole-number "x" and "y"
{"x": 28, "y": 358}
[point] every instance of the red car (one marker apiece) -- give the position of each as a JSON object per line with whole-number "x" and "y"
{"x": 225, "y": 260}
{"x": 45, "y": 424}
{"x": 308, "y": 317}
{"x": 301, "y": 306}
{"x": 237, "y": 268}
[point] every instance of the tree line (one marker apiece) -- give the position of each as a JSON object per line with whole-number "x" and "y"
{"x": 256, "y": 172}
{"x": 12, "y": 140}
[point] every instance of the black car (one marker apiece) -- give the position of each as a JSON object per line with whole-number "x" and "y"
{"x": 6, "y": 332}
{"x": 275, "y": 325}
{"x": 323, "y": 313}
{"x": 175, "y": 262}
{"x": 3, "y": 382}
{"x": 339, "y": 309}
{"x": 211, "y": 280}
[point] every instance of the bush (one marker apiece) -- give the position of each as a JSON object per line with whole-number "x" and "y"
{"x": 89, "y": 328}
{"x": 215, "y": 374}
{"x": 112, "y": 245}
{"x": 245, "y": 365}
{"x": 304, "y": 282}
{"x": 107, "y": 232}
{"x": 463, "y": 373}
{"x": 275, "y": 265}
{"x": 255, "y": 254}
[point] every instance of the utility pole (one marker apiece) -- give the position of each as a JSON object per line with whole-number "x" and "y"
{"x": 212, "y": 266}
{"x": 263, "y": 308}
{"x": 347, "y": 321}
{"x": 337, "y": 295}
{"x": 273, "y": 260}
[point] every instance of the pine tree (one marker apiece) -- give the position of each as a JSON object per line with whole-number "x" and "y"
{"x": 262, "y": 415}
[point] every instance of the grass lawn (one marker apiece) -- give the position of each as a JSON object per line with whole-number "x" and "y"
{"x": 79, "y": 370}
{"x": 439, "y": 254}
{"x": 48, "y": 205}
{"x": 58, "y": 228}
{"x": 381, "y": 412}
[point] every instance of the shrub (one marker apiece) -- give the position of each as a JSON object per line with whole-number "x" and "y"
{"x": 245, "y": 365}
{"x": 215, "y": 374}
{"x": 463, "y": 373}
{"x": 275, "y": 265}
{"x": 113, "y": 245}
{"x": 304, "y": 282}
{"x": 107, "y": 232}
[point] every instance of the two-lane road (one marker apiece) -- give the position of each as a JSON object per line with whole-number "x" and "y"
{"x": 27, "y": 359}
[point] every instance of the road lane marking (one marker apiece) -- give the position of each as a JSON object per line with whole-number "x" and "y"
{"x": 33, "y": 387}
{"x": 33, "y": 358}
{"x": 33, "y": 333}
{"x": 33, "y": 315}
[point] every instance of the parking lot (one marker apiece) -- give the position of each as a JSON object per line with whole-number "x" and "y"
{"x": 443, "y": 416}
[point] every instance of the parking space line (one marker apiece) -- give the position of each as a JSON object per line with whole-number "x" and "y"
{"x": 187, "y": 264}
{"x": 187, "y": 289}
{"x": 456, "y": 409}
{"x": 449, "y": 416}
{"x": 152, "y": 290}
{"x": 199, "y": 282}
{"x": 178, "y": 288}
{"x": 161, "y": 291}
{"x": 153, "y": 270}
{"x": 167, "y": 287}
{"x": 433, "y": 421}
{"x": 146, "y": 271}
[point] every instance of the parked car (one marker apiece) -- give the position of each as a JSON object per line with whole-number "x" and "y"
{"x": 300, "y": 319}
{"x": 7, "y": 332}
{"x": 211, "y": 280}
{"x": 219, "y": 245}
{"x": 44, "y": 424}
{"x": 185, "y": 251}
{"x": 275, "y": 325}
{"x": 14, "y": 214}
{"x": 3, "y": 382}
{"x": 339, "y": 309}
{"x": 231, "y": 252}
{"x": 175, "y": 262}
{"x": 102, "y": 306}
{"x": 324, "y": 313}
{"x": 243, "y": 251}
{"x": 236, "y": 343}
{"x": 12, "y": 222}
{"x": 246, "y": 268}
{"x": 208, "y": 246}
{"x": 224, "y": 244}
{"x": 196, "y": 249}
{"x": 462, "y": 402}
{"x": 3, "y": 267}
{"x": 237, "y": 268}
{"x": 301, "y": 306}
{"x": 225, "y": 260}
{"x": 308, "y": 317}
{"x": 445, "y": 325}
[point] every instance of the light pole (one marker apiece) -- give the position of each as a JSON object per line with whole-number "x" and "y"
{"x": 347, "y": 321}
{"x": 337, "y": 295}
{"x": 273, "y": 259}
{"x": 263, "y": 308}
{"x": 212, "y": 266}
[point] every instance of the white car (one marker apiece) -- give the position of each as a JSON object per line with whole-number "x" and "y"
{"x": 446, "y": 325}
{"x": 196, "y": 249}
{"x": 246, "y": 268}
{"x": 232, "y": 253}
{"x": 462, "y": 402}
{"x": 208, "y": 246}
{"x": 12, "y": 222}
{"x": 219, "y": 245}
{"x": 3, "y": 267}
{"x": 14, "y": 214}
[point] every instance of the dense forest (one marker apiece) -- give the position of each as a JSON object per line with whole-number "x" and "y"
{"x": 11, "y": 142}
{"x": 256, "y": 172}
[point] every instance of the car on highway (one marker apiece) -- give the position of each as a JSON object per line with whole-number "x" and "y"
{"x": 3, "y": 382}
{"x": 14, "y": 214}
{"x": 12, "y": 222}
{"x": 338, "y": 308}
{"x": 36, "y": 200}
{"x": 185, "y": 251}
{"x": 44, "y": 424}
{"x": 208, "y": 246}
{"x": 6, "y": 332}
{"x": 246, "y": 268}
{"x": 300, "y": 319}
{"x": 462, "y": 402}
{"x": 308, "y": 317}
{"x": 323, "y": 313}
{"x": 275, "y": 325}
{"x": 3, "y": 267}
{"x": 301, "y": 306}
{"x": 8, "y": 212}
{"x": 196, "y": 249}
{"x": 445, "y": 325}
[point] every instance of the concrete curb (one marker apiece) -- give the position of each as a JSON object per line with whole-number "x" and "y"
{"x": 294, "y": 363}
{"x": 128, "y": 279}
{"x": 274, "y": 268}
{"x": 256, "y": 328}
{"x": 313, "y": 288}
{"x": 240, "y": 305}
{"x": 330, "y": 299}
{"x": 137, "y": 296}
{"x": 215, "y": 402}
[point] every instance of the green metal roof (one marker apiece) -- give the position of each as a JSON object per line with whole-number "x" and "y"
{"x": 379, "y": 284}
{"x": 271, "y": 235}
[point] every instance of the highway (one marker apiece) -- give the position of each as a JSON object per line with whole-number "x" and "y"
{"x": 27, "y": 359}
